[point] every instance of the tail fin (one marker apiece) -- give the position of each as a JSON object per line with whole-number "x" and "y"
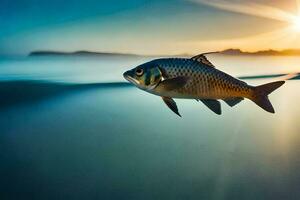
{"x": 260, "y": 96}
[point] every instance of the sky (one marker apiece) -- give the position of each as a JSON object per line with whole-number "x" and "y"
{"x": 149, "y": 27}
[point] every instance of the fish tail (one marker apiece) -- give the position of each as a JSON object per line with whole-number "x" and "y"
{"x": 261, "y": 92}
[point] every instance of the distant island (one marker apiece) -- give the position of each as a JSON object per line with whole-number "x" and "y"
{"x": 234, "y": 52}
{"x": 78, "y": 53}
{"x": 270, "y": 52}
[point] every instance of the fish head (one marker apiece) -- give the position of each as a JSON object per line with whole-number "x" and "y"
{"x": 146, "y": 76}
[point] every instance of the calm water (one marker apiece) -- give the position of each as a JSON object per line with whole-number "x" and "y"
{"x": 70, "y": 130}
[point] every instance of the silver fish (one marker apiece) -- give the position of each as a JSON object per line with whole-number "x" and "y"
{"x": 197, "y": 78}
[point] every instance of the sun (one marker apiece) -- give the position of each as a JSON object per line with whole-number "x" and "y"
{"x": 296, "y": 23}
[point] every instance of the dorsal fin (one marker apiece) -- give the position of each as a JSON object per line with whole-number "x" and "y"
{"x": 201, "y": 58}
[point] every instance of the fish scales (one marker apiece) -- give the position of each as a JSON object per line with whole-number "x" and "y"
{"x": 204, "y": 81}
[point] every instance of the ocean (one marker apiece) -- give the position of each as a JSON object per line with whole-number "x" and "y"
{"x": 73, "y": 128}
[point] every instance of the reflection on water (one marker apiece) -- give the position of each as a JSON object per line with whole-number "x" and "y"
{"x": 23, "y": 92}
{"x": 77, "y": 139}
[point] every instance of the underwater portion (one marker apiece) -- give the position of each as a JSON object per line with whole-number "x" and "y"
{"x": 71, "y": 127}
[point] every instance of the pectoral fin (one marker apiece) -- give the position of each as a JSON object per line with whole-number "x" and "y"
{"x": 171, "y": 104}
{"x": 233, "y": 101}
{"x": 213, "y": 105}
{"x": 174, "y": 83}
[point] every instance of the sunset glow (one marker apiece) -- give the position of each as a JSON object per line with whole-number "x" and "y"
{"x": 285, "y": 36}
{"x": 296, "y": 24}
{"x": 140, "y": 27}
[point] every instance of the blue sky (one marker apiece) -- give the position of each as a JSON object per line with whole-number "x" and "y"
{"x": 133, "y": 26}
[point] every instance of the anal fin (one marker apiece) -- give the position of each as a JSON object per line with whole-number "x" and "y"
{"x": 213, "y": 105}
{"x": 171, "y": 104}
{"x": 233, "y": 101}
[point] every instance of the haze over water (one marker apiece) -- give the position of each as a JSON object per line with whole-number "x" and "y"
{"x": 71, "y": 129}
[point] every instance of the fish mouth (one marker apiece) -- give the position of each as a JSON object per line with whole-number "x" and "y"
{"x": 129, "y": 78}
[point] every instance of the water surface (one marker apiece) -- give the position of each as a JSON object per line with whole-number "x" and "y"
{"x": 70, "y": 128}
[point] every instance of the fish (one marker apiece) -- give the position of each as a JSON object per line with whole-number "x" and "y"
{"x": 197, "y": 78}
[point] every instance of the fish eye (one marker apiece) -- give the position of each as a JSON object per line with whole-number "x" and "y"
{"x": 139, "y": 71}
